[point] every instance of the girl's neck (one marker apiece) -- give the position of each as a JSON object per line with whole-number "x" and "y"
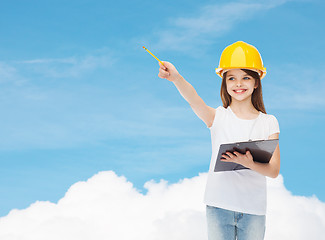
{"x": 244, "y": 110}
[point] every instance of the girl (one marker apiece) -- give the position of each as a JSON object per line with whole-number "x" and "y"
{"x": 236, "y": 200}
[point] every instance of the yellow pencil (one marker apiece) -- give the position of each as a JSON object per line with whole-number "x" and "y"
{"x": 153, "y": 55}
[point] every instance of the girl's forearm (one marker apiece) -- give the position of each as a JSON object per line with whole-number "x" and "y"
{"x": 187, "y": 91}
{"x": 272, "y": 168}
{"x": 265, "y": 169}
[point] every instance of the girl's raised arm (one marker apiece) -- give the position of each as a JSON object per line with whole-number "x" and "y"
{"x": 203, "y": 111}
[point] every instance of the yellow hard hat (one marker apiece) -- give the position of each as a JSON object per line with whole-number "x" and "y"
{"x": 241, "y": 55}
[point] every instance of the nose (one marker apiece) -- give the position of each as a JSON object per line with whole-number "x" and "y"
{"x": 238, "y": 83}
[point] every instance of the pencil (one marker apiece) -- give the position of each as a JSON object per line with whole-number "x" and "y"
{"x": 153, "y": 55}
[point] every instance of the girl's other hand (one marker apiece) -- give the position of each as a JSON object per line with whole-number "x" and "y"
{"x": 245, "y": 160}
{"x": 168, "y": 71}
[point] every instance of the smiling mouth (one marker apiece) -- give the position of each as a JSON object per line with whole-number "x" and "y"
{"x": 240, "y": 90}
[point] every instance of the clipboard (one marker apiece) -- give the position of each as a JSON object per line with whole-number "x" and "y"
{"x": 261, "y": 150}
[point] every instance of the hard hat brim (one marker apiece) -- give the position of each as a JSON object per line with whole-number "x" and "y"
{"x": 221, "y": 71}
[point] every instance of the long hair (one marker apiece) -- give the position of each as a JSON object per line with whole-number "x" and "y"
{"x": 257, "y": 96}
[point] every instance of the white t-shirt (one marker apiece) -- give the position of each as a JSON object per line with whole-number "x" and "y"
{"x": 241, "y": 190}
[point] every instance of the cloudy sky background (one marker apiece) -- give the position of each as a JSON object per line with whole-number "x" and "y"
{"x": 80, "y": 96}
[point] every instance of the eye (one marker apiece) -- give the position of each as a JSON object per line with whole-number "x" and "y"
{"x": 247, "y": 78}
{"x": 231, "y": 78}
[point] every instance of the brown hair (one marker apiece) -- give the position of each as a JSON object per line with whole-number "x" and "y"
{"x": 257, "y": 97}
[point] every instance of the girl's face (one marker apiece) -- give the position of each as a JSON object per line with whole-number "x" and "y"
{"x": 240, "y": 85}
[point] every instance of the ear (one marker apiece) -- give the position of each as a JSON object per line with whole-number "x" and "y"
{"x": 256, "y": 84}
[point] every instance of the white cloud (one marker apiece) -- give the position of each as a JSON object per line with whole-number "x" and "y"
{"x": 107, "y": 206}
{"x": 44, "y": 114}
{"x": 294, "y": 85}
{"x": 6, "y": 71}
{"x": 9, "y": 74}
{"x": 21, "y": 72}
{"x": 293, "y": 217}
{"x": 184, "y": 33}
{"x": 68, "y": 67}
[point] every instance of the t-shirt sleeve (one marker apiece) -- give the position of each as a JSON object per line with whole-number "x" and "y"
{"x": 219, "y": 111}
{"x": 274, "y": 125}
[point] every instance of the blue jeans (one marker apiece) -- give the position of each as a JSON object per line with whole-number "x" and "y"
{"x": 227, "y": 225}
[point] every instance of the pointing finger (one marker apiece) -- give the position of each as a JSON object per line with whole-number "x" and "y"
{"x": 162, "y": 66}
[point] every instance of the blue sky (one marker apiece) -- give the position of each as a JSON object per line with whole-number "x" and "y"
{"x": 79, "y": 95}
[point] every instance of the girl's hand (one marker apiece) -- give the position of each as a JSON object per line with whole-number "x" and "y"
{"x": 243, "y": 159}
{"x": 168, "y": 71}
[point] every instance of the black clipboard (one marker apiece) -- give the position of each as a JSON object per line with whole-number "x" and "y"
{"x": 261, "y": 150}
